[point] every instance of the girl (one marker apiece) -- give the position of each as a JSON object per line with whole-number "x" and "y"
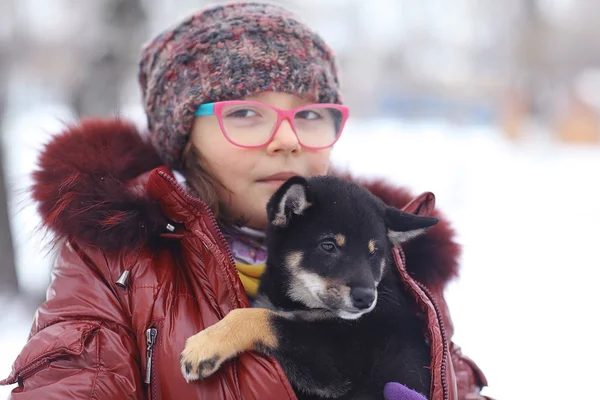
{"x": 238, "y": 98}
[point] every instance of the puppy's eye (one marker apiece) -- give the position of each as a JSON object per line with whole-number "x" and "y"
{"x": 328, "y": 247}
{"x": 373, "y": 252}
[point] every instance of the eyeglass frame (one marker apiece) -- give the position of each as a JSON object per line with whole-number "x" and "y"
{"x": 216, "y": 109}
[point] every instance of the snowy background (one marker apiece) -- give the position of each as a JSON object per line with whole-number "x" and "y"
{"x": 493, "y": 106}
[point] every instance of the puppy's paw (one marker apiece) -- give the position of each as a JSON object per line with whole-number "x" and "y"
{"x": 241, "y": 330}
{"x": 202, "y": 356}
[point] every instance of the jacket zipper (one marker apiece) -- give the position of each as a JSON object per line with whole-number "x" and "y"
{"x": 151, "y": 334}
{"x": 444, "y": 339}
{"x": 438, "y": 314}
{"x": 200, "y": 204}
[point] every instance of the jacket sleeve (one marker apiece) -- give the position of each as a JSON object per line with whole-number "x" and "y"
{"x": 470, "y": 380}
{"x": 81, "y": 345}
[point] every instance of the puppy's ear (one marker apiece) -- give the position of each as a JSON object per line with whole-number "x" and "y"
{"x": 292, "y": 198}
{"x": 403, "y": 226}
{"x": 423, "y": 204}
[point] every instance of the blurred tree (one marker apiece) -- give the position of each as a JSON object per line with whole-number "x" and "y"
{"x": 107, "y": 66}
{"x": 8, "y": 273}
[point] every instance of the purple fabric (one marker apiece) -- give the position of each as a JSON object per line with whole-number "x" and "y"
{"x": 397, "y": 391}
{"x": 247, "y": 244}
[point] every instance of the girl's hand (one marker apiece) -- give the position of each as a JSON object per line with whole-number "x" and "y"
{"x": 397, "y": 391}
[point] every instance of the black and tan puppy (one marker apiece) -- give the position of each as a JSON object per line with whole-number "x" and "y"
{"x": 331, "y": 308}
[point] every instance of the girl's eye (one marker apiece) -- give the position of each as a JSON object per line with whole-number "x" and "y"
{"x": 328, "y": 247}
{"x": 308, "y": 114}
{"x": 243, "y": 113}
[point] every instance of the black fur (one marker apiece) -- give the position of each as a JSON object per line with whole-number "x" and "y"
{"x": 323, "y": 354}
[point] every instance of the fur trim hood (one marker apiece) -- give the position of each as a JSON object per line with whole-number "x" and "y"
{"x": 88, "y": 187}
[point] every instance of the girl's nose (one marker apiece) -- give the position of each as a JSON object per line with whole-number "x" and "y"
{"x": 285, "y": 139}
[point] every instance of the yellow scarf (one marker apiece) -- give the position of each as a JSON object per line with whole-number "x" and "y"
{"x": 250, "y": 276}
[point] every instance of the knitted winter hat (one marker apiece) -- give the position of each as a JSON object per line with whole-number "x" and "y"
{"x": 228, "y": 52}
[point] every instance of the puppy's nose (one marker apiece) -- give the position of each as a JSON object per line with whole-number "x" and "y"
{"x": 362, "y": 297}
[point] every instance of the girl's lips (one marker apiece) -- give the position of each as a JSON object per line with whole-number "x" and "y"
{"x": 275, "y": 183}
{"x": 279, "y": 177}
{"x": 271, "y": 185}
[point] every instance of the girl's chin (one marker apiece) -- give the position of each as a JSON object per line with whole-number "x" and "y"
{"x": 255, "y": 224}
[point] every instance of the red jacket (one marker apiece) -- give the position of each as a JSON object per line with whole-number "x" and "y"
{"x": 101, "y": 189}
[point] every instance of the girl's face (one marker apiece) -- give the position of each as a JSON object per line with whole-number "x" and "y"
{"x": 252, "y": 175}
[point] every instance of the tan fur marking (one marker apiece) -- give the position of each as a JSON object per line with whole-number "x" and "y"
{"x": 340, "y": 239}
{"x": 339, "y": 292}
{"x": 371, "y": 246}
{"x": 293, "y": 260}
{"x": 279, "y": 220}
{"x": 241, "y": 330}
{"x": 332, "y": 288}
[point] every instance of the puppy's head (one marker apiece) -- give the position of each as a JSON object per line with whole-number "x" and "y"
{"x": 332, "y": 240}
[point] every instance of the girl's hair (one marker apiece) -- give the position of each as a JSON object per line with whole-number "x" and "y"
{"x": 199, "y": 181}
{"x": 202, "y": 184}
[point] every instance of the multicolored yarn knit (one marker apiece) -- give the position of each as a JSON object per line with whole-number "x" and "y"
{"x": 229, "y": 52}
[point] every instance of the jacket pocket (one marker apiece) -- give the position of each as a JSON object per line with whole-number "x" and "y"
{"x": 51, "y": 343}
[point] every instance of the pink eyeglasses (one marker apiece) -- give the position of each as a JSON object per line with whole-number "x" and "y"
{"x": 252, "y": 124}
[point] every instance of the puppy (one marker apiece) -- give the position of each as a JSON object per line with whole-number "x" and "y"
{"x": 331, "y": 308}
